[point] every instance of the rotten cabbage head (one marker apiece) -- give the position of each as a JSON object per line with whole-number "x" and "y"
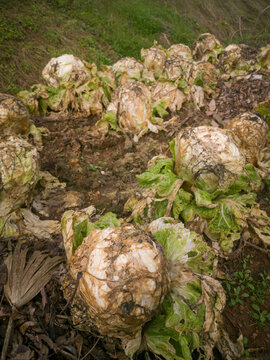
{"x": 124, "y": 275}
{"x": 19, "y": 173}
{"x": 252, "y": 132}
{"x": 208, "y": 157}
{"x": 207, "y": 48}
{"x": 65, "y": 69}
{"x": 154, "y": 59}
{"x": 14, "y": 117}
{"x": 130, "y": 109}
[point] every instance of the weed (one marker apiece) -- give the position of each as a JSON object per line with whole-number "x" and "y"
{"x": 261, "y": 316}
{"x": 243, "y": 286}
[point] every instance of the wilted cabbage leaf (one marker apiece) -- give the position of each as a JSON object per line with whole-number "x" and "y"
{"x": 166, "y": 95}
{"x": 204, "y": 74}
{"x": 19, "y": 173}
{"x": 190, "y": 318}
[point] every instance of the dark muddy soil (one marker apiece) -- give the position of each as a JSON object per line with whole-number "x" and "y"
{"x": 104, "y": 172}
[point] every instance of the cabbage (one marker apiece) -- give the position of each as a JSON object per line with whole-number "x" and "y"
{"x": 190, "y": 318}
{"x": 234, "y": 61}
{"x": 208, "y": 157}
{"x": 209, "y": 186}
{"x": 130, "y": 109}
{"x": 252, "y": 132}
{"x": 178, "y": 68}
{"x": 180, "y": 50}
{"x": 204, "y": 74}
{"x": 166, "y": 95}
{"x": 19, "y": 173}
{"x": 65, "y": 69}
{"x": 127, "y": 69}
{"x": 207, "y": 48}
{"x": 154, "y": 59}
{"x": 14, "y": 117}
{"x": 124, "y": 276}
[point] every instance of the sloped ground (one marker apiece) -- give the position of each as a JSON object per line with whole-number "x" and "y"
{"x": 32, "y": 32}
{"x": 104, "y": 172}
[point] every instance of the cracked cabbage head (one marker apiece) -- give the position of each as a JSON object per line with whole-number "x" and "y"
{"x": 166, "y": 95}
{"x": 124, "y": 274}
{"x": 208, "y": 157}
{"x": 65, "y": 69}
{"x": 14, "y": 117}
{"x": 207, "y": 48}
{"x": 154, "y": 59}
{"x": 19, "y": 173}
{"x": 180, "y": 50}
{"x": 252, "y": 132}
{"x": 130, "y": 109}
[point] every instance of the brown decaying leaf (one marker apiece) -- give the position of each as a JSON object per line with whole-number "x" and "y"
{"x": 26, "y": 279}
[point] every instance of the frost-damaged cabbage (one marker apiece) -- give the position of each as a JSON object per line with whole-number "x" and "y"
{"x": 65, "y": 69}
{"x": 19, "y": 172}
{"x": 127, "y": 69}
{"x": 180, "y": 50}
{"x": 204, "y": 74}
{"x": 124, "y": 276}
{"x": 190, "y": 318}
{"x": 207, "y": 48}
{"x": 235, "y": 60}
{"x": 154, "y": 59}
{"x": 130, "y": 109}
{"x": 208, "y": 157}
{"x": 264, "y": 57}
{"x": 14, "y": 117}
{"x": 72, "y": 86}
{"x": 88, "y": 98}
{"x": 166, "y": 95}
{"x": 209, "y": 186}
{"x": 178, "y": 69}
{"x": 252, "y": 132}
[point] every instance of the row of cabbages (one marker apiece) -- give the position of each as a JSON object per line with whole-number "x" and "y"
{"x": 134, "y": 96}
{"x": 20, "y": 173}
{"x": 168, "y": 299}
{"x": 153, "y": 283}
{"x": 162, "y": 274}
